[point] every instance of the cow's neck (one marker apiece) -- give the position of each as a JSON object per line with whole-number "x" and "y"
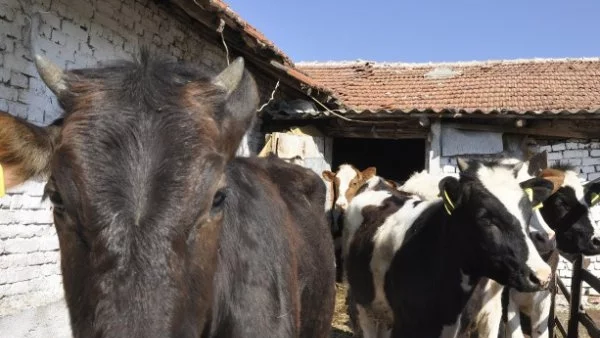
{"x": 448, "y": 287}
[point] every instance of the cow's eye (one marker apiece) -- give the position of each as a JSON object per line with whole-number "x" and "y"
{"x": 51, "y": 193}
{"x": 218, "y": 200}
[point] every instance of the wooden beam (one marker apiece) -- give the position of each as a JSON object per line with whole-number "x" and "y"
{"x": 546, "y": 128}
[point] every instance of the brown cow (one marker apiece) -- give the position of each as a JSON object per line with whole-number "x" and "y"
{"x": 162, "y": 233}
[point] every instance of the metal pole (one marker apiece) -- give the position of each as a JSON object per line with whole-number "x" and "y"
{"x": 552, "y": 315}
{"x": 572, "y": 332}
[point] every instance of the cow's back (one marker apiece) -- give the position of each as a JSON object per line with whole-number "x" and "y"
{"x": 272, "y": 259}
{"x": 304, "y": 194}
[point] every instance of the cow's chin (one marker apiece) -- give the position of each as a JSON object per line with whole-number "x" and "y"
{"x": 525, "y": 282}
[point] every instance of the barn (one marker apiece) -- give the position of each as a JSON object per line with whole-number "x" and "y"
{"x": 76, "y": 33}
{"x": 403, "y": 117}
{"x": 397, "y": 117}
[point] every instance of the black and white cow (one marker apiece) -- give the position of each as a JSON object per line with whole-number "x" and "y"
{"x": 412, "y": 264}
{"x": 567, "y": 212}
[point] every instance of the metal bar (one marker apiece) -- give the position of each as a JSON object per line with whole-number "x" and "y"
{"x": 552, "y": 316}
{"x": 563, "y": 289}
{"x": 573, "y": 326}
{"x": 560, "y": 328}
{"x": 592, "y": 280}
{"x": 589, "y": 324}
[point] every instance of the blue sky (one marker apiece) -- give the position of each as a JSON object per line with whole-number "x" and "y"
{"x": 427, "y": 30}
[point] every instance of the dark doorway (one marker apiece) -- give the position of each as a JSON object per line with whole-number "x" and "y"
{"x": 394, "y": 159}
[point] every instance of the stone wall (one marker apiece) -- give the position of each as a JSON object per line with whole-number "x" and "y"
{"x": 73, "y": 34}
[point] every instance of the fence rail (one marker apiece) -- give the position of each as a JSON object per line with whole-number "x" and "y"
{"x": 577, "y": 314}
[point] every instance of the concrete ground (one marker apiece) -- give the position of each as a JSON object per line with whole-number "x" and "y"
{"x": 51, "y": 320}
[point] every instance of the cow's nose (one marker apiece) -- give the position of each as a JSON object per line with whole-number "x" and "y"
{"x": 541, "y": 276}
{"x": 341, "y": 205}
{"x": 596, "y": 242}
{"x": 543, "y": 242}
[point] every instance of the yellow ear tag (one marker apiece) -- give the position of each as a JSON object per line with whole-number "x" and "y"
{"x": 448, "y": 205}
{"x": 595, "y": 198}
{"x": 2, "y": 188}
{"x": 529, "y": 193}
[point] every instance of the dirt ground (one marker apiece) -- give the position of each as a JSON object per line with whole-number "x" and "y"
{"x": 341, "y": 322}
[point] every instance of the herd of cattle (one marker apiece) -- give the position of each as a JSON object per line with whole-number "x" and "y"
{"x": 164, "y": 233}
{"x": 432, "y": 257}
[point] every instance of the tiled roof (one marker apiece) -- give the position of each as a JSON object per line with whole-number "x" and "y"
{"x": 518, "y": 86}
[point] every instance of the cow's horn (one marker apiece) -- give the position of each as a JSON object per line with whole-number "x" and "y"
{"x": 231, "y": 76}
{"x": 51, "y": 74}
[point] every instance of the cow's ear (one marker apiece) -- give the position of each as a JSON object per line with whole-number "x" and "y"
{"x": 463, "y": 164}
{"x": 537, "y": 163}
{"x": 392, "y": 184}
{"x": 592, "y": 193}
{"x": 450, "y": 193}
{"x": 241, "y": 103}
{"x": 328, "y": 176}
{"x": 25, "y": 149}
{"x": 537, "y": 190}
{"x": 368, "y": 173}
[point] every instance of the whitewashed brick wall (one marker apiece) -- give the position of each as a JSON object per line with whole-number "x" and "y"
{"x": 73, "y": 33}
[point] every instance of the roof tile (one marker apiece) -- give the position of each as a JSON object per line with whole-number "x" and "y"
{"x": 520, "y": 86}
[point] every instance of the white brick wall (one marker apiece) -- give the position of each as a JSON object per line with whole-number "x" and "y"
{"x": 73, "y": 33}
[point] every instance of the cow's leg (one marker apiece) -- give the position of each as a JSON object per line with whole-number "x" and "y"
{"x": 513, "y": 327}
{"x": 367, "y": 325}
{"x": 540, "y": 314}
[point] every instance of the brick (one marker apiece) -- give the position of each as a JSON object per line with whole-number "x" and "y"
{"x": 559, "y": 147}
{"x": 11, "y": 30}
{"x": 105, "y": 7}
{"x": 20, "y": 245}
{"x": 83, "y": 9}
{"x": 59, "y": 37}
{"x": 20, "y": 274}
{"x": 74, "y": 31}
{"x": 62, "y": 9}
{"x": 19, "y": 80}
{"x": 595, "y": 153}
{"x": 591, "y": 161}
{"x": 7, "y": 13}
{"x": 17, "y": 109}
{"x": 554, "y": 156}
{"x": 588, "y": 169}
{"x": 106, "y": 21}
{"x": 8, "y": 93}
{"x": 571, "y": 145}
{"x": 594, "y": 145}
{"x": 593, "y": 176}
{"x": 49, "y": 243}
{"x": 572, "y": 161}
{"x": 51, "y": 19}
{"x": 575, "y": 153}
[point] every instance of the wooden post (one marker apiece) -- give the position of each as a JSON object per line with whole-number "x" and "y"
{"x": 573, "y": 327}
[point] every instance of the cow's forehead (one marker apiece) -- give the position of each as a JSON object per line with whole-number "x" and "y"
{"x": 346, "y": 173}
{"x": 572, "y": 180}
{"x": 500, "y": 181}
